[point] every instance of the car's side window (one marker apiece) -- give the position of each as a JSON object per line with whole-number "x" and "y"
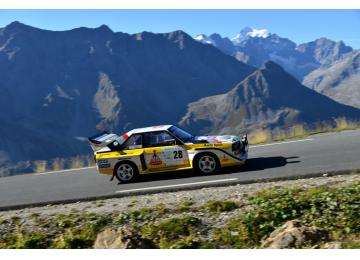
{"x": 134, "y": 142}
{"x": 158, "y": 139}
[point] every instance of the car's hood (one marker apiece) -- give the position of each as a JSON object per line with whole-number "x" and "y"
{"x": 217, "y": 138}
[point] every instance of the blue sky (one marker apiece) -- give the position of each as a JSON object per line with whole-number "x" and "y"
{"x": 297, "y": 25}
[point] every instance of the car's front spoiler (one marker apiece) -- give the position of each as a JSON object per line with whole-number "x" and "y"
{"x": 242, "y": 157}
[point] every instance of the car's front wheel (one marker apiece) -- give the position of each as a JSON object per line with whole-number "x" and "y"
{"x": 206, "y": 163}
{"x": 126, "y": 172}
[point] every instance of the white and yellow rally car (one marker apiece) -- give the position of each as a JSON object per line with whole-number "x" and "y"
{"x": 165, "y": 148}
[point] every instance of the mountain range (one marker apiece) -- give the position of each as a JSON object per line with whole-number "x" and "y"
{"x": 256, "y": 46}
{"x": 268, "y": 98}
{"x": 58, "y": 87}
{"x": 340, "y": 80}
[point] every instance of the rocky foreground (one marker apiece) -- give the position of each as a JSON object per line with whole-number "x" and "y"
{"x": 309, "y": 213}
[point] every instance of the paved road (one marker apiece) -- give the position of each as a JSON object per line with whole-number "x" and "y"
{"x": 316, "y": 154}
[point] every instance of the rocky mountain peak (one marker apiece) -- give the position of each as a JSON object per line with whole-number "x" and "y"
{"x": 216, "y": 36}
{"x": 267, "y": 98}
{"x": 104, "y": 28}
{"x": 17, "y": 26}
{"x": 339, "y": 80}
{"x": 262, "y": 82}
{"x": 249, "y": 32}
{"x": 178, "y": 34}
{"x": 200, "y": 37}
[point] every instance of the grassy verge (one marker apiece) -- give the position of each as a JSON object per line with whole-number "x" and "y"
{"x": 40, "y": 166}
{"x": 300, "y": 131}
{"x": 58, "y": 164}
{"x": 335, "y": 209}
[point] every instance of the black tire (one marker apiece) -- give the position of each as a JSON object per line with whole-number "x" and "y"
{"x": 126, "y": 171}
{"x": 206, "y": 163}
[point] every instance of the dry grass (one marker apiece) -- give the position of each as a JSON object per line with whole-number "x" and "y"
{"x": 89, "y": 161}
{"x": 259, "y": 136}
{"x": 58, "y": 164}
{"x": 77, "y": 162}
{"x": 343, "y": 124}
{"x": 39, "y": 166}
{"x": 298, "y": 131}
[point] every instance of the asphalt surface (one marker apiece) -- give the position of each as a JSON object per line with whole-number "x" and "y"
{"x": 323, "y": 153}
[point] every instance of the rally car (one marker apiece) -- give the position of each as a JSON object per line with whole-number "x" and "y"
{"x": 165, "y": 148}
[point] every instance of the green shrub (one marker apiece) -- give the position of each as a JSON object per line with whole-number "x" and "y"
{"x": 33, "y": 241}
{"x": 25, "y": 241}
{"x": 334, "y": 209}
{"x": 191, "y": 243}
{"x": 184, "y": 206}
{"x": 351, "y": 244}
{"x": 216, "y": 206}
{"x": 136, "y": 215}
{"x": 79, "y": 230}
{"x": 162, "y": 209}
{"x": 169, "y": 232}
{"x": 77, "y": 238}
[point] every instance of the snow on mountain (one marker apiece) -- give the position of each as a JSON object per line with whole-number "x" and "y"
{"x": 244, "y": 34}
{"x": 250, "y": 32}
{"x": 257, "y": 46}
{"x": 262, "y": 33}
{"x": 204, "y": 39}
{"x": 216, "y": 40}
{"x": 241, "y": 35}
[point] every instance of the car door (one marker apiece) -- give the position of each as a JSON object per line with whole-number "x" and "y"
{"x": 163, "y": 151}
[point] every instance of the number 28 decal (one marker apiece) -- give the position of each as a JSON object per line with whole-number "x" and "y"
{"x": 178, "y": 154}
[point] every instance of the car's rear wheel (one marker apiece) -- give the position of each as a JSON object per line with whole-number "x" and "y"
{"x": 206, "y": 163}
{"x": 126, "y": 172}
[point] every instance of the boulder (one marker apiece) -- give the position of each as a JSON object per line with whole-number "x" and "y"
{"x": 122, "y": 238}
{"x": 293, "y": 234}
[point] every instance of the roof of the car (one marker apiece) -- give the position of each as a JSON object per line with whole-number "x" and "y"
{"x": 149, "y": 129}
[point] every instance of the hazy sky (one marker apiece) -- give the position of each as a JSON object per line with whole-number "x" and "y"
{"x": 297, "y": 25}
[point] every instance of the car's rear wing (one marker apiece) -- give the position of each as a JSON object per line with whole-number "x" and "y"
{"x": 104, "y": 139}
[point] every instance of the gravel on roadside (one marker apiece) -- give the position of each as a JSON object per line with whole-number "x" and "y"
{"x": 198, "y": 197}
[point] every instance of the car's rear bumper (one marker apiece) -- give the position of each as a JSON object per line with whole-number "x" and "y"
{"x": 107, "y": 171}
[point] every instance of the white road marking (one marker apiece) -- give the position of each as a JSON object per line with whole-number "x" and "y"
{"x": 68, "y": 170}
{"x": 286, "y": 142}
{"x": 176, "y": 185}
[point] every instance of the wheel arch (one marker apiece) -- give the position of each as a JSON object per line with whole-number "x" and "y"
{"x": 203, "y": 152}
{"x": 125, "y": 161}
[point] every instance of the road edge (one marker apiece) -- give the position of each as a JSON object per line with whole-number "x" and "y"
{"x": 182, "y": 188}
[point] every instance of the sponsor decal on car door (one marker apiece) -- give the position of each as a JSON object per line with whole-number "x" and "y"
{"x": 175, "y": 156}
{"x": 153, "y": 158}
{"x": 166, "y": 157}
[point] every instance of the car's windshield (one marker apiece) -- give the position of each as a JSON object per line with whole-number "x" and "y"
{"x": 181, "y": 134}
